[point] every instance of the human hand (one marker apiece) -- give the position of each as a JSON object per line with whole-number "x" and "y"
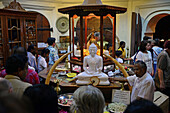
{"x": 162, "y": 86}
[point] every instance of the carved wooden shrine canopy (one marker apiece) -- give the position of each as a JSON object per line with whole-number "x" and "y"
{"x": 83, "y": 14}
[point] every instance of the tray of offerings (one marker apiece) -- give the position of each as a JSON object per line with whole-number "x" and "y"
{"x": 65, "y": 99}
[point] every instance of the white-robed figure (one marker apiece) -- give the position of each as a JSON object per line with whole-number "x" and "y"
{"x": 92, "y": 65}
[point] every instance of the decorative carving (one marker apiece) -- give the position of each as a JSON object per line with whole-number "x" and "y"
{"x": 14, "y": 6}
{"x": 87, "y": 2}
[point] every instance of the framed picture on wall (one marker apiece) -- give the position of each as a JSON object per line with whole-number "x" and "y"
{"x": 64, "y": 39}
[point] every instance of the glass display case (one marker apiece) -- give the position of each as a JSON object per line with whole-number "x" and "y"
{"x": 31, "y": 31}
{"x": 18, "y": 28}
{"x": 91, "y": 24}
{"x": 14, "y": 34}
{"x": 1, "y": 47}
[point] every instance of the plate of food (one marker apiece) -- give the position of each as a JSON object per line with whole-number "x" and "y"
{"x": 71, "y": 74}
{"x": 65, "y": 99}
{"x": 116, "y": 107}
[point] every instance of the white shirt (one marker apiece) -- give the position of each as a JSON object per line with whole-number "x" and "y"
{"x": 147, "y": 58}
{"x": 32, "y": 60}
{"x": 143, "y": 87}
{"x": 42, "y": 64}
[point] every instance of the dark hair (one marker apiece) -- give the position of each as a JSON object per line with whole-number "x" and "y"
{"x": 20, "y": 51}
{"x": 50, "y": 40}
{"x": 118, "y": 53}
{"x": 121, "y": 43}
{"x": 142, "y": 46}
{"x": 157, "y": 42}
{"x": 149, "y": 42}
{"x": 146, "y": 37}
{"x": 141, "y": 63}
{"x": 142, "y": 106}
{"x": 30, "y": 47}
{"x": 167, "y": 44}
{"x": 43, "y": 97}
{"x": 14, "y": 62}
{"x": 45, "y": 51}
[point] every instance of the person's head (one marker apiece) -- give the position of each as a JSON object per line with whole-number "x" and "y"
{"x": 157, "y": 42}
{"x": 31, "y": 48}
{"x": 88, "y": 99}
{"x": 43, "y": 97}
{"x": 148, "y": 45}
{"x": 11, "y": 104}
{"x": 92, "y": 49}
{"x": 140, "y": 68}
{"x": 20, "y": 51}
{"x": 122, "y": 44}
{"x": 118, "y": 53}
{"x": 51, "y": 41}
{"x": 97, "y": 35}
{"x": 45, "y": 52}
{"x": 142, "y": 46}
{"x": 167, "y": 44}
{"x": 17, "y": 65}
{"x": 146, "y": 38}
{"x": 5, "y": 86}
{"x": 142, "y": 106}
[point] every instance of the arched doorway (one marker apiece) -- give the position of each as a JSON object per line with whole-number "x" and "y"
{"x": 151, "y": 26}
{"x": 43, "y": 28}
{"x": 162, "y": 30}
{"x": 158, "y": 27}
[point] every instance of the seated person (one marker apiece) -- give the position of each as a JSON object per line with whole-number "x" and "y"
{"x": 119, "y": 56}
{"x": 16, "y": 69}
{"x": 92, "y": 39}
{"x": 32, "y": 76}
{"x": 87, "y": 99}
{"x": 42, "y": 64}
{"x": 95, "y": 65}
{"x": 31, "y": 56}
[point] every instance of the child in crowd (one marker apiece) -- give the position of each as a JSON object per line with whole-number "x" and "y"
{"x": 53, "y": 56}
{"x": 119, "y": 56}
{"x": 42, "y": 63}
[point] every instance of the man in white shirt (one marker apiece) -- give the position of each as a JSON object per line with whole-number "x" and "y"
{"x": 142, "y": 82}
{"x": 31, "y": 57}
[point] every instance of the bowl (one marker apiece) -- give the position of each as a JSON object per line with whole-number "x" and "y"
{"x": 65, "y": 99}
{"x": 71, "y": 74}
{"x": 116, "y": 107}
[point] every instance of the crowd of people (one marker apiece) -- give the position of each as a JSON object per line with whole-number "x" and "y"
{"x": 157, "y": 61}
{"x": 20, "y": 83}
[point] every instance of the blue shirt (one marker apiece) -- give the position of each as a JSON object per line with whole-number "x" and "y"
{"x": 156, "y": 51}
{"x": 53, "y": 56}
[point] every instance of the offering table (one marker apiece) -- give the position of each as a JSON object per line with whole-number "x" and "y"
{"x": 70, "y": 87}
